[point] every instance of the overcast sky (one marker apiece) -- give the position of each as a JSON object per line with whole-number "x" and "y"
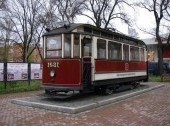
{"x": 142, "y": 19}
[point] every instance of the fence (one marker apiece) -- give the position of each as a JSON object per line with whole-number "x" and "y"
{"x": 20, "y": 72}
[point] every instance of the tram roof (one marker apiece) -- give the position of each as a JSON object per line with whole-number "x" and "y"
{"x": 72, "y": 27}
{"x": 63, "y": 29}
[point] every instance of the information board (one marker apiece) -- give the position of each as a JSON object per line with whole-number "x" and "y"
{"x": 1, "y": 71}
{"x": 36, "y": 71}
{"x": 17, "y": 71}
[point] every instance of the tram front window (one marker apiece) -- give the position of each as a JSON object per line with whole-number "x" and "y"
{"x": 53, "y": 46}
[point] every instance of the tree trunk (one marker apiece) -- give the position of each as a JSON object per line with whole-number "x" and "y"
{"x": 6, "y": 50}
{"x": 24, "y": 55}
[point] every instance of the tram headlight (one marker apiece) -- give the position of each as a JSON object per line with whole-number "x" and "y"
{"x": 52, "y": 73}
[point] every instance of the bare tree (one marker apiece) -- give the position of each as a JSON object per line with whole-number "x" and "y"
{"x": 5, "y": 30}
{"x": 161, "y": 11}
{"x": 25, "y": 16}
{"x": 2, "y": 4}
{"x": 48, "y": 17}
{"x": 5, "y": 35}
{"x": 132, "y": 32}
{"x": 105, "y": 11}
{"x": 67, "y": 10}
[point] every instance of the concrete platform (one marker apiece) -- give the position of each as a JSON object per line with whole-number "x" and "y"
{"x": 84, "y": 102}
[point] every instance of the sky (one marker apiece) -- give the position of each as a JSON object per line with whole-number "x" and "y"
{"x": 142, "y": 19}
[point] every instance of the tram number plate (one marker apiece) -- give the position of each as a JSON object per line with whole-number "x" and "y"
{"x": 53, "y": 64}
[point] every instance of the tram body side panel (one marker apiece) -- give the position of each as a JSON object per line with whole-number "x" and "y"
{"x": 67, "y": 72}
{"x": 110, "y": 70}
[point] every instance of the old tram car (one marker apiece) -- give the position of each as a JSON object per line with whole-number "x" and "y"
{"x": 82, "y": 57}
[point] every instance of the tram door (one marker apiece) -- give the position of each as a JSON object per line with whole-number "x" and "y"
{"x": 86, "y": 60}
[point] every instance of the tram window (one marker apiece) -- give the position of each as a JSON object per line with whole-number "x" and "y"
{"x": 142, "y": 54}
{"x": 67, "y": 45}
{"x": 86, "y": 47}
{"x": 101, "y": 49}
{"x": 126, "y": 52}
{"x": 134, "y": 53}
{"x": 76, "y": 45}
{"x": 54, "y": 42}
{"x": 114, "y": 51}
{"x": 53, "y": 48}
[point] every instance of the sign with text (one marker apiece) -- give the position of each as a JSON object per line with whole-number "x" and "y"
{"x": 36, "y": 71}
{"x": 1, "y": 71}
{"x": 17, "y": 71}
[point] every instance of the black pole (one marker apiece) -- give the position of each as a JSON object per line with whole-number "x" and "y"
{"x": 5, "y": 74}
{"x": 29, "y": 74}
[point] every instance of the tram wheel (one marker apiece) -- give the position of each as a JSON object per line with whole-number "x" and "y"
{"x": 97, "y": 90}
{"x": 136, "y": 85}
{"x": 107, "y": 90}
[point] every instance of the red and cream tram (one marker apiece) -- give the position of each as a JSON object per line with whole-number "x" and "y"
{"x": 82, "y": 57}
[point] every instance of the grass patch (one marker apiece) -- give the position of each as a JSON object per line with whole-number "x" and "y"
{"x": 154, "y": 78}
{"x": 19, "y": 86}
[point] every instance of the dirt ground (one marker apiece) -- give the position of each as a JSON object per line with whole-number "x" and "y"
{"x": 149, "y": 109}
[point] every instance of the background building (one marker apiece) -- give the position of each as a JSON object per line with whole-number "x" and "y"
{"x": 152, "y": 44}
{"x": 15, "y": 53}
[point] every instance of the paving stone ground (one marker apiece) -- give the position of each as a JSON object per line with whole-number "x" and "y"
{"x": 148, "y": 109}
